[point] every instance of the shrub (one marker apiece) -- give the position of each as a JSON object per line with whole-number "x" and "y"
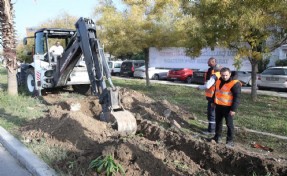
{"x": 262, "y": 64}
{"x": 282, "y": 62}
{"x": 107, "y": 165}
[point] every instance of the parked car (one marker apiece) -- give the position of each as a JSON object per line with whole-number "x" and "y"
{"x": 128, "y": 67}
{"x": 244, "y": 77}
{"x": 115, "y": 67}
{"x": 181, "y": 74}
{"x": 273, "y": 77}
{"x": 199, "y": 76}
{"x": 154, "y": 73}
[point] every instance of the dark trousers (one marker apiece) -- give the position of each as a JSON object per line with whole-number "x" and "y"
{"x": 210, "y": 115}
{"x": 220, "y": 113}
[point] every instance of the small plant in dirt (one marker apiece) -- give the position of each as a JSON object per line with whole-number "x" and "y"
{"x": 180, "y": 165}
{"x": 106, "y": 165}
{"x": 72, "y": 164}
{"x": 267, "y": 174}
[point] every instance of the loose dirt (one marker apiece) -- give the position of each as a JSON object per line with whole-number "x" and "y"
{"x": 165, "y": 143}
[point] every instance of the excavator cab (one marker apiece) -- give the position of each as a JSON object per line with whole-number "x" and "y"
{"x": 46, "y": 37}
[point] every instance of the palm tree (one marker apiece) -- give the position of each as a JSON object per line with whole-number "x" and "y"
{"x": 9, "y": 44}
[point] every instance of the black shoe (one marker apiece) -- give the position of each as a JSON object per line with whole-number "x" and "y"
{"x": 229, "y": 144}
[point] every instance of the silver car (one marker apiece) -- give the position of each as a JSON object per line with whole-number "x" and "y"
{"x": 154, "y": 73}
{"x": 115, "y": 67}
{"x": 244, "y": 77}
{"x": 273, "y": 77}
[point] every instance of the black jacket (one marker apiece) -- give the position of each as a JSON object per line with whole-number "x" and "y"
{"x": 235, "y": 90}
{"x": 209, "y": 73}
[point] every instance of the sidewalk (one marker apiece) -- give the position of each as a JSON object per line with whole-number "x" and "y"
{"x": 25, "y": 157}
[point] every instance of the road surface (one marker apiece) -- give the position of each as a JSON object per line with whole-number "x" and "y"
{"x": 9, "y": 166}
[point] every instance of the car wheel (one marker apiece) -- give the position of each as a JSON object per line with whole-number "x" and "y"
{"x": 30, "y": 82}
{"x": 189, "y": 80}
{"x": 155, "y": 77}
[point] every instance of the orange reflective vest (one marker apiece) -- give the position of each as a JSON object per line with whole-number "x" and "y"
{"x": 209, "y": 92}
{"x": 212, "y": 72}
{"x": 224, "y": 95}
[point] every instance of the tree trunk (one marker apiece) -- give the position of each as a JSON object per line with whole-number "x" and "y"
{"x": 12, "y": 83}
{"x": 9, "y": 45}
{"x": 254, "y": 65}
{"x": 146, "y": 56}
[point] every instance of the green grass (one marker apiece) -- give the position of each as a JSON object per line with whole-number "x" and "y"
{"x": 268, "y": 114}
{"x": 15, "y": 110}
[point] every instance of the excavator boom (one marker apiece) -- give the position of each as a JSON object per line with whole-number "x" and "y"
{"x": 86, "y": 42}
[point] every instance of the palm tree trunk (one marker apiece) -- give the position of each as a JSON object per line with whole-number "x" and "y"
{"x": 9, "y": 45}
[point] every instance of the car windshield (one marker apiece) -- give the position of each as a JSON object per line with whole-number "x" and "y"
{"x": 127, "y": 65}
{"x": 139, "y": 64}
{"x": 110, "y": 64}
{"x": 176, "y": 69}
{"x": 118, "y": 65}
{"x": 275, "y": 71}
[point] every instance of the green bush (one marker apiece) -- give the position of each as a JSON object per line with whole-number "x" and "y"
{"x": 262, "y": 64}
{"x": 106, "y": 165}
{"x": 282, "y": 62}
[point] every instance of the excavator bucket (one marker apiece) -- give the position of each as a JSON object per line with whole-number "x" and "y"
{"x": 125, "y": 120}
{"x": 116, "y": 114}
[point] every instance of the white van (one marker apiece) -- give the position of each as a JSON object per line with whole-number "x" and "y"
{"x": 115, "y": 67}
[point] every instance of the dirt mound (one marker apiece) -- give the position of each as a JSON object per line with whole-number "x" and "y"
{"x": 160, "y": 146}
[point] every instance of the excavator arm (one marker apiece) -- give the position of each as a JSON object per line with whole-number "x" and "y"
{"x": 86, "y": 43}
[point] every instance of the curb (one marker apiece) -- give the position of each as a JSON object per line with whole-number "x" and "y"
{"x": 28, "y": 159}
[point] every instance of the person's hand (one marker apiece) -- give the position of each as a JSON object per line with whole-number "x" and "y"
{"x": 212, "y": 105}
{"x": 231, "y": 113}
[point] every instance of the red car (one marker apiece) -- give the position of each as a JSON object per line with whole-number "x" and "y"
{"x": 181, "y": 74}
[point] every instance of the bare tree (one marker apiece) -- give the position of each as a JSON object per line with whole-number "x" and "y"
{"x": 9, "y": 44}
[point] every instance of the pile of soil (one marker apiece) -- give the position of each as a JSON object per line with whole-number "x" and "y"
{"x": 165, "y": 143}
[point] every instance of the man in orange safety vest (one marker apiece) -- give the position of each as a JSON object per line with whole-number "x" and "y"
{"x": 212, "y": 75}
{"x": 226, "y": 101}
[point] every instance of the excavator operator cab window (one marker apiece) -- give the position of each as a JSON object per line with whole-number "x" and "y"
{"x": 40, "y": 43}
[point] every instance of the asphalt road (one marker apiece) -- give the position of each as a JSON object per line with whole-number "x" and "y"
{"x": 244, "y": 89}
{"x": 9, "y": 166}
{"x": 14, "y": 157}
